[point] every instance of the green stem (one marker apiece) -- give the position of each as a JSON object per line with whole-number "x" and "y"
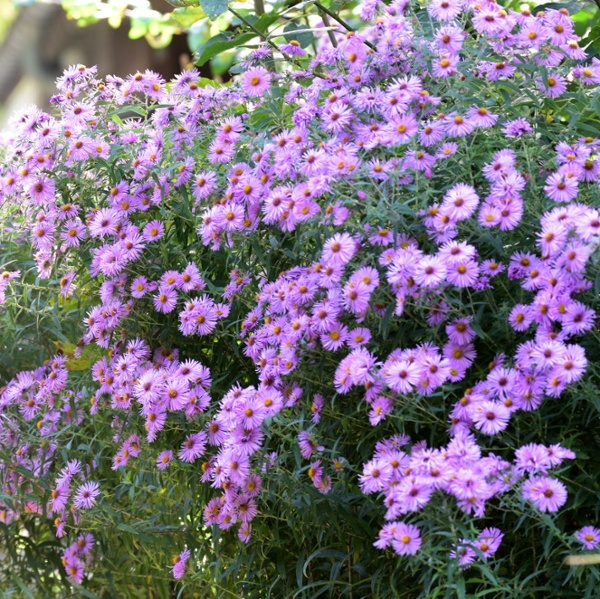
{"x": 263, "y": 36}
{"x": 259, "y": 7}
{"x": 253, "y": 28}
{"x": 340, "y": 21}
{"x": 327, "y": 24}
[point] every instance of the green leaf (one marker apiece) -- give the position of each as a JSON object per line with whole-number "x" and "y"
{"x": 304, "y": 37}
{"x": 187, "y": 16}
{"x": 180, "y": 3}
{"x": 591, "y": 38}
{"x": 572, "y": 7}
{"x": 220, "y": 43}
{"x": 214, "y": 8}
{"x": 137, "y": 29}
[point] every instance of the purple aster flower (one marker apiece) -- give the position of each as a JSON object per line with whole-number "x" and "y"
{"x": 589, "y": 537}
{"x": 58, "y": 499}
{"x": 577, "y": 318}
{"x": 165, "y": 300}
{"x": 85, "y": 543}
{"x": 178, "y": 568}
{"x": 430, "y": 272}
{"x": 401, "y": 376}
{"x": 517, "y": 128}
{"x": 42, "y": 189}
{"x": 376, "y": 476}
{"x": 256, "y": 81}
{"x": 335, "y": 337}
{"x": 356, "y": 297}
{"x": 193, "y": 447}
{"x": 445, "y": 10}
{"x": 490, "y": 417}
{"x": 561, "y": 188}
{"x": 85, "y": 496}
{"x": 66, "y": 284}
{"x": 481, "y": 116}
{"x": 406, "y": 539}
{"x": 432, "y": 133}
{"x": 463, "y": 274}
{"x": 358, "y": 337}
{"x": 488, "y": 541}
{"x": 306, "y": 445}
{"x": 410, "y": 495}
{"x": 460, "y": 202}
{"x": 532, "y": 458}
{"x": 459, "y": 331}
{"x": 458, "y": 125}
{"x": 445, "y": 66}
{"x": 380, "y": 408}
{"x": 153, "y": 230}
{"x": 316, "y": 407}
{"x": 464, "y": 552}
{"x": 203, "y": 185}
{"x": 401, "y": 129}
{"x": 339, "y": 249}
{"x": 553, "y": 86}
{"x": 75, "y": 569}
{"x": 547, "y": 494}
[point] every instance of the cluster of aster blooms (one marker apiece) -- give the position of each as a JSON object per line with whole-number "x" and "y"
{"x": 365, "y": 129}
{"x": 409, "y": 481}
{"x": 77, "y": 555}
{"x": 42, "y": 396}
{"x": 156, "y": 387}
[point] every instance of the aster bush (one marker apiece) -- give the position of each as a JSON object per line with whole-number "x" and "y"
{"x": 329, "y": 330}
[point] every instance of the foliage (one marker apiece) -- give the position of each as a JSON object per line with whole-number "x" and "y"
{"x": 348, "y": 299}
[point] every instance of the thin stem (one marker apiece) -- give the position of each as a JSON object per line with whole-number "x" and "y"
{"x": 327, "y": 24}
{"x": 341, "y": 21}
{"x": 259, "y": 7}
{"x": 264, "y": 37}
{"x": 253, "y": 28}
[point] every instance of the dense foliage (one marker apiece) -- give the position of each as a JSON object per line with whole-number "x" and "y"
{"x": 326, "y": 331}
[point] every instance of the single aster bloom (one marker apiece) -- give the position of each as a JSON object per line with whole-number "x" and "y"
{"x": 553, "y": 86}
{"x": 193, "y": 447}
{"x": 256, "y": 81}
{"x": 547, "y": 494}
{"x": 406, "y": 540}
{"x": 430, "y": 272}
{"x": 517, "y": 128}
{"x": 178, "y": 567}
{"x": 490, "y": 417}
{"x": 489, "y": 541}
{"x": 339, "y": 249}
{"x": 165, "y": 300}
{"x": 86, "y": 494}
{"x": 153, "y": 230}
{"x": 460, "y": 202}
{"x": 561, "y": 188}
{"x": 444, "y": 10}
{"x": 589, "y": 537}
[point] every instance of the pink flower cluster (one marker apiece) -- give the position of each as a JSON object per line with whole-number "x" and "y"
{"x": 43, "y": 396}
{"x": 366, "y": 165}
{"x": 156, "y": 385}
{"x": 409, "y": 480}
{"x": 77, "y": 556}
